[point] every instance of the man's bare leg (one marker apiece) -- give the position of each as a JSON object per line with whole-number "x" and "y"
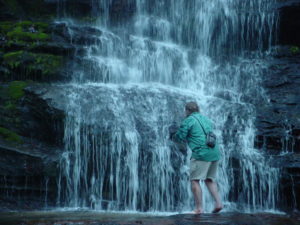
{"x": 197, "y": 192}
{"x": 213, "y": 189}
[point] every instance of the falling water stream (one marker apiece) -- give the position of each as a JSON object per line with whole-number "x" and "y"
{"x": 134, "y": 81}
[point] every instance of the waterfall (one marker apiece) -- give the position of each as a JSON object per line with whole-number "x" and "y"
{"x": 133, "y": 81}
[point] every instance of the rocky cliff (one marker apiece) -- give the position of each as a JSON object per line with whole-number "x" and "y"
{"x": 278, "y": 122}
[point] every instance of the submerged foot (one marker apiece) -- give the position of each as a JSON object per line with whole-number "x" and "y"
{"x": 217, "y": 209}
{"x": 197, "y": 211}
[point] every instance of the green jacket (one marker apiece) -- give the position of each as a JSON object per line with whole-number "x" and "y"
{"x": 191, "y": 131}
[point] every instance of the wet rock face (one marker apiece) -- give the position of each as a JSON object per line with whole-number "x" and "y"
{"x": 77, "y": 35}
{"x": 86, "y": 9}
{"x": 289, "y": 22}
{"x": 29, "y": 167}
{"x": 18, "y": 9}
{"x": 34, "y": 124}
{"x": 278, "y": 121}
{"x": 34, "y": 112}
{"x": 290, "y": 180}
{"x": 121, "y": 10}
{"x": 101, "y": 121}
{"x": 27, "y": 176}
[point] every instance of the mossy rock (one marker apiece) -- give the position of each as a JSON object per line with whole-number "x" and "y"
{"x": 10, "y": 136}
{"x": 15, "y": 89}
{"x": 6, "y": 27}
{"x": 21, "y": 31}
{"x": 33, "y": 63}
{"x": 13, "y": 59}
{"x": 11, "y": 94}
{"x": 295, "y": 50}
{"x": 46, "y": 63}
{"x": 19, "y": 34}
{"x": 26, "y": 24}
{"x": 9, "y": 106}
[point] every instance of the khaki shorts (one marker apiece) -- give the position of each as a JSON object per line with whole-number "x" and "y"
{"x": 201, "y": 170}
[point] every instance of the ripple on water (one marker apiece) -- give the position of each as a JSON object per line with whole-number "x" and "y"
{"x": 109, "y": 218}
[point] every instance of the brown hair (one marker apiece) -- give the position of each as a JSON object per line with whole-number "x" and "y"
{"x": 192, "y": 107}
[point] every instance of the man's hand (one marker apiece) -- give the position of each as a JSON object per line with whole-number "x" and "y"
{"x": 173, "y": 129}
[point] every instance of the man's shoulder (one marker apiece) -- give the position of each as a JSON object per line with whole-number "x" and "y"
{"x": 204, "y": 119}
{"x": 207, "y": 121}
{"x": 196, "y": 115}
{"x": 190, "y": 119}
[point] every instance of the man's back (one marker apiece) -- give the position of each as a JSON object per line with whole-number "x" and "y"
{"x": 191, "y": 131}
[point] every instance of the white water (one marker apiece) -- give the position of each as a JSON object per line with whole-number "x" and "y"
{"x": 134, "y": 83}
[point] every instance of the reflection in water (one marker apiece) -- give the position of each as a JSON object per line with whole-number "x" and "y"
{"x": 88, "y": 217}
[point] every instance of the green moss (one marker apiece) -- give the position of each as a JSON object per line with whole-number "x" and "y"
{"x": 13, "y": 55}
{"x": 25, "y": 23}
{"x": 46, "y": 63}
{"x": 19, "y": 31}
{"x": 10, "y": 26}
{"x": 43, "y": 64}
{"x": 20, "y": 34}
{"x": 11, "y": 95}
{"x": 20, "y": 44}
{"x": 13, "y": 59}
{"x": 15, "y": 89}
{"x": 39, "y": 26}
{"x": 10, "y": 106}
{"x": 10, "y": 136}
{"x": 6, "y": 27}
{"x": 295, "y": 50}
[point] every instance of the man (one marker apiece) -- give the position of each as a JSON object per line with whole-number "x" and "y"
{"x": 204, "y": 160}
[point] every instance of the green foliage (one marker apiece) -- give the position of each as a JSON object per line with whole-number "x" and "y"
{"x": 295, "y": 50}
{"x": 10, "y": 136}
{"x": 15, "y": 89}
